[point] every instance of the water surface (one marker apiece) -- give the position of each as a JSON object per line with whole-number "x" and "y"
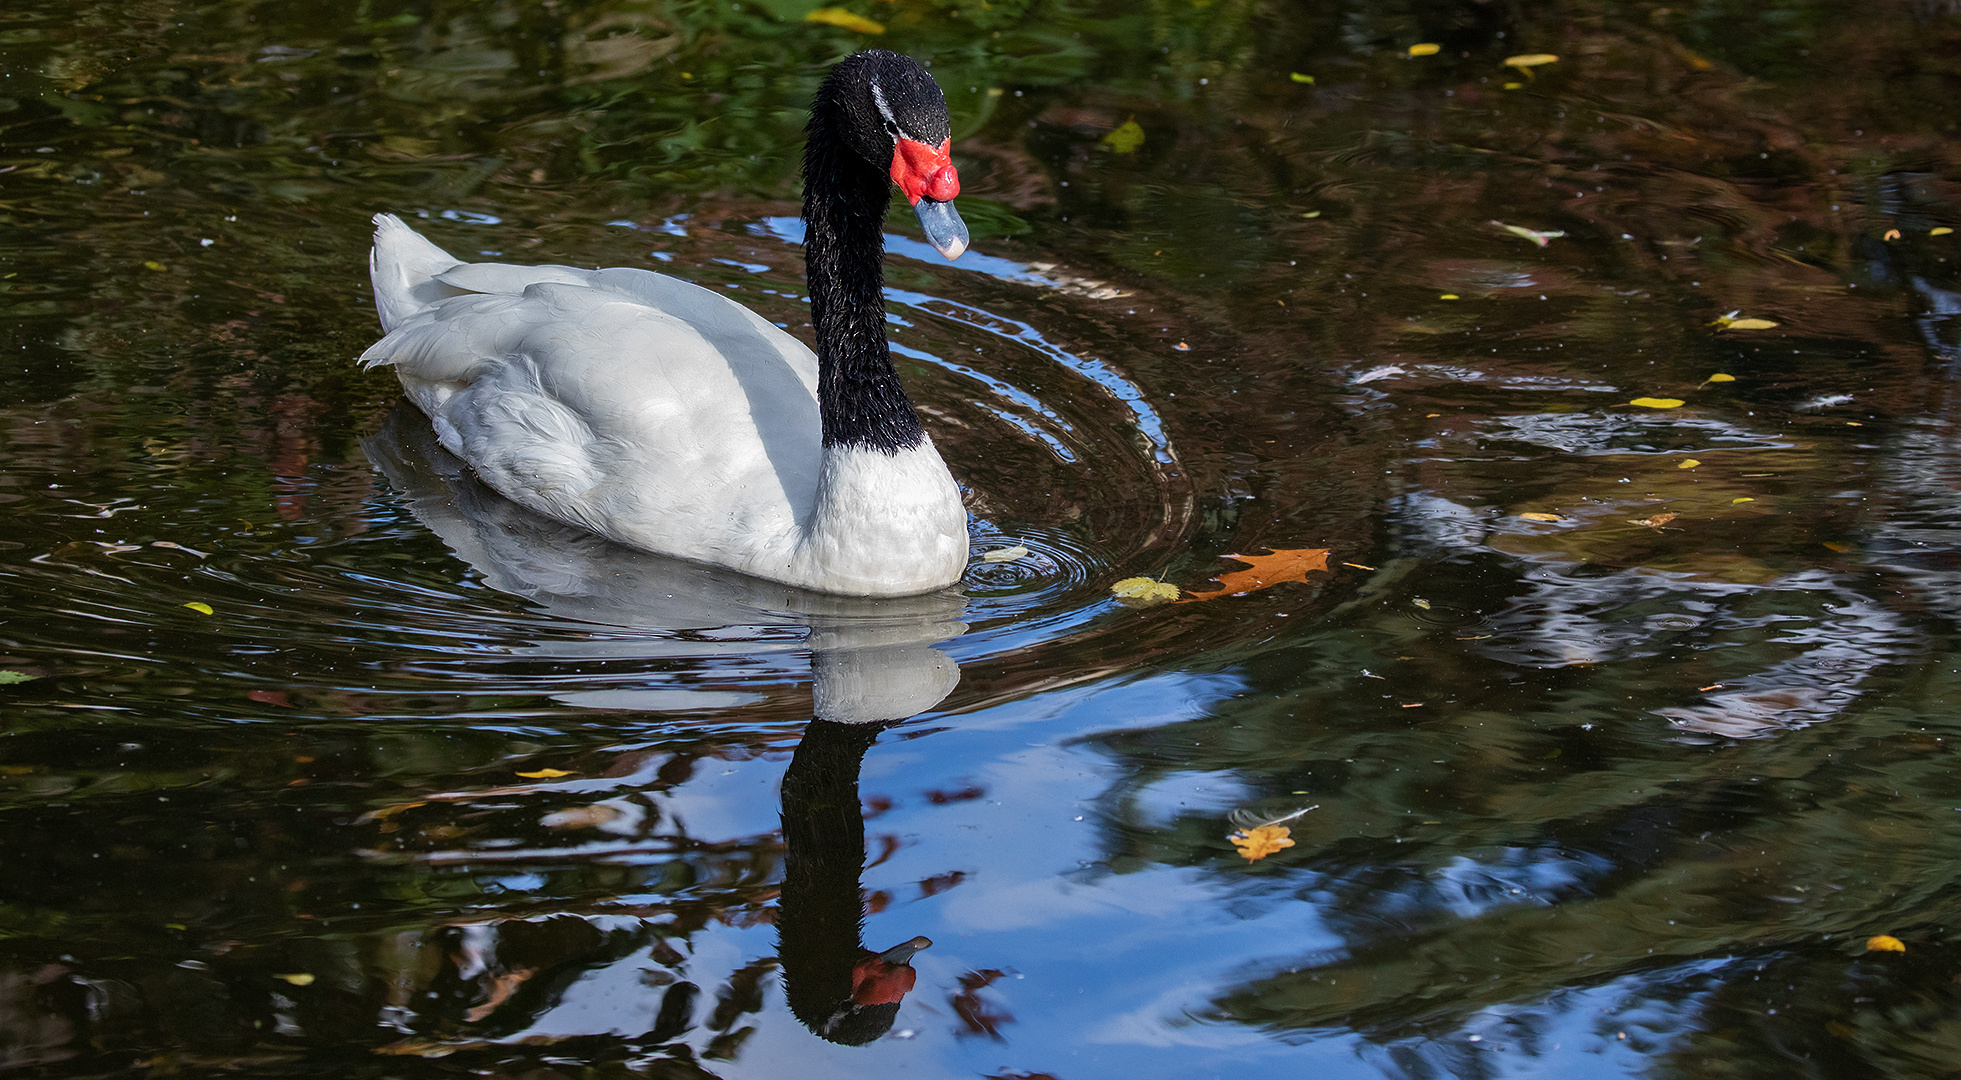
{"x": 1613, "y": 732}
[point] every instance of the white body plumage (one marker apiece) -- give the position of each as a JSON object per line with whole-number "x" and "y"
{"x": 658, "y": 414}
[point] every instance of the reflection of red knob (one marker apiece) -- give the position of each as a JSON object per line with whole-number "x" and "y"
{"x": 877, "y": 982}
{"x": 943, "y": 185}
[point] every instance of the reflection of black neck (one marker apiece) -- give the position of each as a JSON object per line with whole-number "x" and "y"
{"x": 821, "y": 920}
{"x": 844, "y": 201}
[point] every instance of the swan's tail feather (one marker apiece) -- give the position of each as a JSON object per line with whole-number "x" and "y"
{"x": 403, "y": 267}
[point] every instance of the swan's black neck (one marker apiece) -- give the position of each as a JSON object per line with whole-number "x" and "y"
{"x": 844, "y": 203}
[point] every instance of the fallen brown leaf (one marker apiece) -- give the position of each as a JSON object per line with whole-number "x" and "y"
{"x": 1264, "y": 571}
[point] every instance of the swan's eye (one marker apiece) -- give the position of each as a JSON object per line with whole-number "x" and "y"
{"x": 891, "y": 129}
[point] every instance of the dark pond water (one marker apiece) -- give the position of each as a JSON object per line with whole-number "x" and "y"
{"x": 1618, "y": 728}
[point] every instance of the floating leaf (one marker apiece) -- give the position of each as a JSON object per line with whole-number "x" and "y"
{"x": 1282, "y": 564}
{"x": 386, "y": 812}
{"x": 1744, "y": 499}
{"x": 1839, "y": 546}
{"x": 1731, "y": 322}
{"x": 1422, "y": 603}
{"x": 1260, "y": 842}
{"x": 1513, "y": 85}
{"x": 1128, "y": 136}
{"x": 1688, "y": 463}
{"x": 1657, "y": 402}
{"x": 1939, "y": 231}
{"x": 1448, "y": 296}
{"x": 1537, "y": 236}
{"x": 299, "y": 978}
{"x": 1541, "y": 517}
{"x": 1427, "y": 48}
{"x": 1891, "y": 234}
{"x": 1531, "y": 60}
{"x": 839, "y": 17}
{"x": 15, "y": 678}
{"x": 152, "y": 264}
{"x": 1358, "y": 566}
{"x": 1718, "y": 377}
{"x": 1299, "y": 78}
{"x": 1182, "y": 347}
{"x": 1311, "y": 214}
{"x": 200, "y": 607}
{"x": 1655, "y": 522}
{"x": 545, "y": 774}
{"x": 1143, "y": 591}
{"x": 1006, "y": 554}
{"x": 1885, "y": 943}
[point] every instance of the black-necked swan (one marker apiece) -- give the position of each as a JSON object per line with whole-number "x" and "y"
{"x": 669, "y": 418}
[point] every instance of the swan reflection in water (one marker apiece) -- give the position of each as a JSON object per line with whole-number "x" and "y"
{"x": 873, "y": 663}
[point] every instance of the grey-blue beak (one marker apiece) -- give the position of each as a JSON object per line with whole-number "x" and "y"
{"x": 944, "y": 229}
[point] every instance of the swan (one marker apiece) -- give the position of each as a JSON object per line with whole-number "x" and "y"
{"x": 669, "y": 418}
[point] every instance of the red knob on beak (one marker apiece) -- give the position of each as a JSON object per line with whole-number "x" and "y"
{"x": 925, "y": 170}
{"x": 943, "y": 185}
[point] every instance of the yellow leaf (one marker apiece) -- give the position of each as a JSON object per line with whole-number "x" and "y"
{"x": 152, "y": 264}
{"x": 1891, "y": 234}
{"x": 1719, "y": 377}
{"x": 297, "y": 979}
{"x": 1537, "y": 236}
{"x": 1428, "y": 48}
{"x": 1744, "y": 499}
{"x": 1657, "y": 402}
{"x": 1312, "y": 214}
{"x": 1542, "y": 517}
{"x": 1261, "y": 842}
{"x": 1448, "y": 296}
{"x": 1530, "y": 60}
{"x": 1006, "y": 554}
{"x": 1143, "y": 591}
{"x": 1688, "y": 463}
{"x": 1750, "y": 324}
{"x": 1299, "y": 78}
{"x": 545, "y": 774}
{"x": 1841, "y": 548}
{"x": 839, "y": 17}
{"x": 1940, "y": 231}
{"x": 200, "y": 607}
{"x": 1282, "y": 564}
{"x": 1655, "y": 522}
{"x": 1885, "y": 943}
{"x": 1513, "y": 85}
{"x": 1127, "y": 138}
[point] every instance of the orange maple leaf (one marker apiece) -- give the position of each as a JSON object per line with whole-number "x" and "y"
{"x": 1260, "y": 842}
{"x": 1282, "y": 564}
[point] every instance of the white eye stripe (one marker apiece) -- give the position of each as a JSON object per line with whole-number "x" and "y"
{"x": 885, "y": 110}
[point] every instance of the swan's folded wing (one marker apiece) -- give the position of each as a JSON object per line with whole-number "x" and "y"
{"x": 507, "y": 280}
{"x": 449, "y": 341}
{"x": 691, "y": 431}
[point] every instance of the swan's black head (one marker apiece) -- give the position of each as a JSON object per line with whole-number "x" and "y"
{"x": 886, "y": 110}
